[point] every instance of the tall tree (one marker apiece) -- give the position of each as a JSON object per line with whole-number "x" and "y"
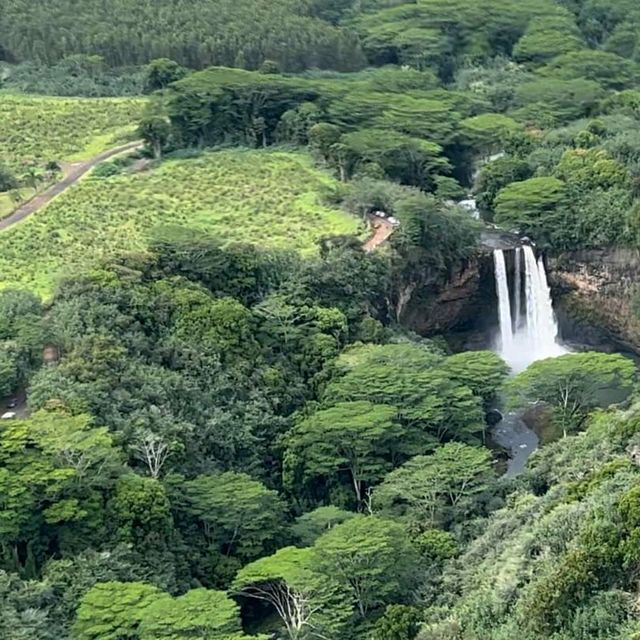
{"x": 573, "y": 385}
{"x": 370, "y": 557}
{"x": 309, "y": 604}
{"x": 359, "y": 440}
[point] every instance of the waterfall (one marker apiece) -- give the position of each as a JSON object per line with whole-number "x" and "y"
{"x": 518, "y": 291}
{"x": 504, "y": 304}
{"x": 533, "y": 335}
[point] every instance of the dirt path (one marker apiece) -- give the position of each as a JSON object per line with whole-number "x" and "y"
{"x": 72, "y": 173}
{"x": 382, "y": 229}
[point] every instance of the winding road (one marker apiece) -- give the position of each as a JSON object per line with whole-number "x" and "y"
{"x": 73, "y": 172}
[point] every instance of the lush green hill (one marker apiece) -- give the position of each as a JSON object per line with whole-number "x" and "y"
{"x": 269, "y": 198}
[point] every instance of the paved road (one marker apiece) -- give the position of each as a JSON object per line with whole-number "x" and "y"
{"x": 74, "y": 172}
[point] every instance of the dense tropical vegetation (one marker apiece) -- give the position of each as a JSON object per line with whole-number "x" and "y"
{"x": 229, "y": 432}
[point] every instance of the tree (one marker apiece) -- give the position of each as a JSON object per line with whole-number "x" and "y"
{"x": 25, "y": 610}
{"x": 155, "y": 131}
{"x": 481, "y": 371}
{"x": 161, "y": 73}
{"x": 152, "y": 449}
{"x": 407, "y": 159}
{"x": 533, "y": 206}
{"x": 309, "y": 604}
{"x": 310, "y": 526}
{"x": 114, "y": 610}
{"x": 608, "y": 69}
{"x": 76, "y": 444}
{"x": 573, "y": 384}
{"x": 17, "y": 306}
{"x": 399, "y": 622}
{"x": 496, "y": 175}
{"x": 240, "y": 515}
{"x": 49, "y": 467}
{"x": 588, "y": 169}
{"x": 322, "y": 137}
{"x": 8, "y": 180}
{"x": 428, "y": 490}
{"x": 370, "y": 557}
{"x": 358, "y": 439}
{"x": 199, "y": 613}
{"x": 552, "y": 101}
{"x": 140, "y": 512}
{"x": 431, "y": 401}
{"x": 486, "y": 133}
{"x": 547, "y": 37}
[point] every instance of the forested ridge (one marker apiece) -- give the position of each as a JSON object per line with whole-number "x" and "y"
{"x": 228, "y": 431}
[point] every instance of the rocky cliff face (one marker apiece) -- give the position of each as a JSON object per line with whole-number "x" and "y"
{"x": 594, "y": 293}
{"x": 467, "y": 301}
{"x": 437, "y": 308}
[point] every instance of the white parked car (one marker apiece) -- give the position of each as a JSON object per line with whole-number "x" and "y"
{"x": 9, "y": 415}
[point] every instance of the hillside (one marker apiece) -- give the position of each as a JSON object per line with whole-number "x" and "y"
{"x": 294, "y": 33}
{"x": 36, "y": 130}
{"x": 268, "y": 198}
{"x": 226, "y": 415}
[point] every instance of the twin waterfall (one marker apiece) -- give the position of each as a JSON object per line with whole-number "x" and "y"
{"x": 528, "y": 327}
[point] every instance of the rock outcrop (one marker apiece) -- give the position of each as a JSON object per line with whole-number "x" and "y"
{"x": 597, "y": 294}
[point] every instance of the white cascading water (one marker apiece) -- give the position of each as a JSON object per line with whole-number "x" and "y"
{"x": 518, "y": 290}
{"x": 504, "y": 304}
{"x": 533, "y": 334}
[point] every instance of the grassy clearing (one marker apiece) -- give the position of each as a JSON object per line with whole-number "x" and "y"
{"x": 8, "y": 204}
{"x": 37, "y": 129}
{"x": 266, "y": 197}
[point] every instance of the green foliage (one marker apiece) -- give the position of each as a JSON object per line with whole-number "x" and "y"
{"x": 607, "y": 69}
{"x": 196, "y": 35}
{"x": 531, "y": 205}
{"x": 241, "y": 195}
{"x": 162, "y": 72}
{"x": 481, "y": 371}
{"x": 155, "y": 131}
{"x": 404, "y": 159}
{"x": 399, "y": 622}
{"x": 370, "y": 557}
{"x": 199, "y": 613}
{"x": 495, "y": 176}
{"x": 310, "y": 526}
{"x": 356, "y": 442}
{"x": 139, "y": 510}
{"x": 486, "y": 133}
{"x": 437, "y": 545}
{"x": 552, "y": 101}
{"x": 574, "y": 384}
{"x": 440, "y": 34}
{"x": 587, "y": 169}
{"x": 8, "y": 179}
{"x": 39, "y": 129}
{"x": 114, "y": 610}
{"x": 73, "y": 76}
{"x": 308, "y": 603}
{"x": 241, "y": 516}
{"x": 436, "y": 489}
{"x": 430, "y": 392}
{"x": 546, "y": 39}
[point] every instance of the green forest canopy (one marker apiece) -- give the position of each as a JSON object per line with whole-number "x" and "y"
{"x": 241, "y": 440}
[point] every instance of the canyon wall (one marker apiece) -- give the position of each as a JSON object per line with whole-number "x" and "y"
{"x": 597, "y": 295}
